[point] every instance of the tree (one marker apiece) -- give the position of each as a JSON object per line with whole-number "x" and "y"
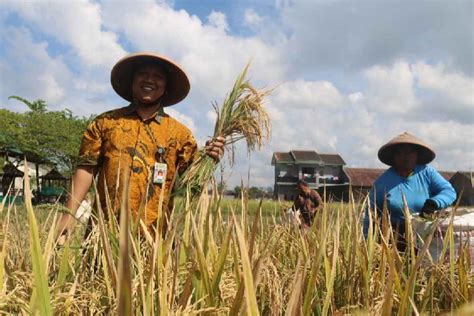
{"x": 238, "y": 191}
{"x": 35, "y": 106}
{"x": 256, "y": 193}
{"x": 53, "y": 136}
{"x": 253, "y": 192}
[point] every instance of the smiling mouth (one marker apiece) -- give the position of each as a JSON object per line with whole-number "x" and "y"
{"x": 147, "y": 88}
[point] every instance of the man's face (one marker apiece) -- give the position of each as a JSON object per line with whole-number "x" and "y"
{"x": 149, "y": 84}
{"x": 405, "y": 157}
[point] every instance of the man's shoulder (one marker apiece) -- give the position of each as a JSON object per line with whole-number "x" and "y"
{"x": 176, "y": 125}
{"x": 113, "y": 114}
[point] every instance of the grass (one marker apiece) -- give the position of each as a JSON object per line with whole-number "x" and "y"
{"x": 223, "y": 257}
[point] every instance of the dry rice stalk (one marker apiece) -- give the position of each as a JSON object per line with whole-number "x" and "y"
{"x": 242, "y": 116}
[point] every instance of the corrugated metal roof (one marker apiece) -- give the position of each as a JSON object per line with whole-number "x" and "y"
{"x": 309, "y": 156}
{"x": 305, "y": 155}
{"x": 283, "y": 157}
{"x": 363, "y": 177}
{"x": 333, "y": 159}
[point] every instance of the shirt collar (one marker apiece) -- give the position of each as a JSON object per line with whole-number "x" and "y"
{"x": 131, "y": 109}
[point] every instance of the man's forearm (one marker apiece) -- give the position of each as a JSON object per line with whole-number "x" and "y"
{"x": 81, "y": 182}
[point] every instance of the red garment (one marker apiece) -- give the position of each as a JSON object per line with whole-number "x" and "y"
{"x": 308, "y": 203}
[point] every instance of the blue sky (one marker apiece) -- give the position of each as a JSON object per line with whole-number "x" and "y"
{"x": 349, "y": 75}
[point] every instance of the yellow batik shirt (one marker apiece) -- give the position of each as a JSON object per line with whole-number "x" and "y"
{"x": 120, "y": 140}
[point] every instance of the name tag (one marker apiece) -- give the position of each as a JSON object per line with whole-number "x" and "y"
{"x": 159, "y": 173}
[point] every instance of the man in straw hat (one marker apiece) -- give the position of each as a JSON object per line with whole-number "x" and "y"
{"x": 139, "y": 139}
{"x": 409, "y": 178}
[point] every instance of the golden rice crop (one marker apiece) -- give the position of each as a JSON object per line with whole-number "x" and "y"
{"x": 223, "y": 257}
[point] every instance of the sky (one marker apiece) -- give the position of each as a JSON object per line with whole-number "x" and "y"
{"x": 347, "y": 75}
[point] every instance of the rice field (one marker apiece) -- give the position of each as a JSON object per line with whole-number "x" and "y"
{"x": 222, "y": 257}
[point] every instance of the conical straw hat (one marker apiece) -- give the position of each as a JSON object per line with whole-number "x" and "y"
{"x": 177, "y": 84}
{"x": 386, "y": 153}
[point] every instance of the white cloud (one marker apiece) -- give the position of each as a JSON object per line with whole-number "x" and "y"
{"x": 390, "y": 89}
{"x": 251, "y": 18}
{"x": 356, "y": 97}
{"x": 211, "y": 116}
{"x": 53, "y": 90}
{"x": 456, "y": 86}
{"x": 453, "y": 143}
{"x": 308, "y": 94}
{"x": 218, "y": 20}
{"x": 307, "y": 115}
{"x": 76, "y": 24}
{"x": 28, "y": 70}
{"x": 349, "y": 36}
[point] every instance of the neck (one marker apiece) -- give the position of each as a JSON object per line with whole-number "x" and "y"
{"x": 146, "y": 111}
{"x": 404, "y": 172}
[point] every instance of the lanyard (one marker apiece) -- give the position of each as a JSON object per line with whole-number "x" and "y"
{"x": 160, "y": 150}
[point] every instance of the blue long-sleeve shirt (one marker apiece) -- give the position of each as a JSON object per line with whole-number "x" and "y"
{"x": 424, "y": 183}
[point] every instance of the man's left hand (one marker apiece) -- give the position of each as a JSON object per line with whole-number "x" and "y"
{"x": 215, "y": 148}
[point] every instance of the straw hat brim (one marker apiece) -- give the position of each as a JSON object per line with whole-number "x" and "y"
{"x": 177, "y": 84}
{"x": 425, "y": 154}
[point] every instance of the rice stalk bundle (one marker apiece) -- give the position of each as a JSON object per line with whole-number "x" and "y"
{"x": 241, "y": 116}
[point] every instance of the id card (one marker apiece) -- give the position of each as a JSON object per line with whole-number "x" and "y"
{"x": 159, "y": 173}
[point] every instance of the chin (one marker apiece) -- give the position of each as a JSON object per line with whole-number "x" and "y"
{"x": 148, "y": 102}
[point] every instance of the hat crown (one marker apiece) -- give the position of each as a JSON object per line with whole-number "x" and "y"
{"x": 177, "y": 87}
{"x": 425, "y": 153}
{"x": 407, "y": 138}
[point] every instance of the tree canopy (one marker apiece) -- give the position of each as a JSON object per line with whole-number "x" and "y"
{"x": 254, "y": 192}
{"x": 53, "y": 136}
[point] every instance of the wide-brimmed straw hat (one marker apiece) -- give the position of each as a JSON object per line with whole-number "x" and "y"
{"x": 177, "y": 82}
{"x": 425, "y": 154}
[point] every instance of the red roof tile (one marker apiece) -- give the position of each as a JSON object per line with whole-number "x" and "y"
{"x": 363, "y": 177}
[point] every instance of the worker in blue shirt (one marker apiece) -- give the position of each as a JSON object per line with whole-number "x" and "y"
{"x": 409, "y": 177}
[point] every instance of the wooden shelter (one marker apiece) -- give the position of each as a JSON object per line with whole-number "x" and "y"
{"x": 17, "y": 156}
{"x": 8, "y": 174}
{"x": 53, "y": 187}
{"x": 463, "y": 183}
